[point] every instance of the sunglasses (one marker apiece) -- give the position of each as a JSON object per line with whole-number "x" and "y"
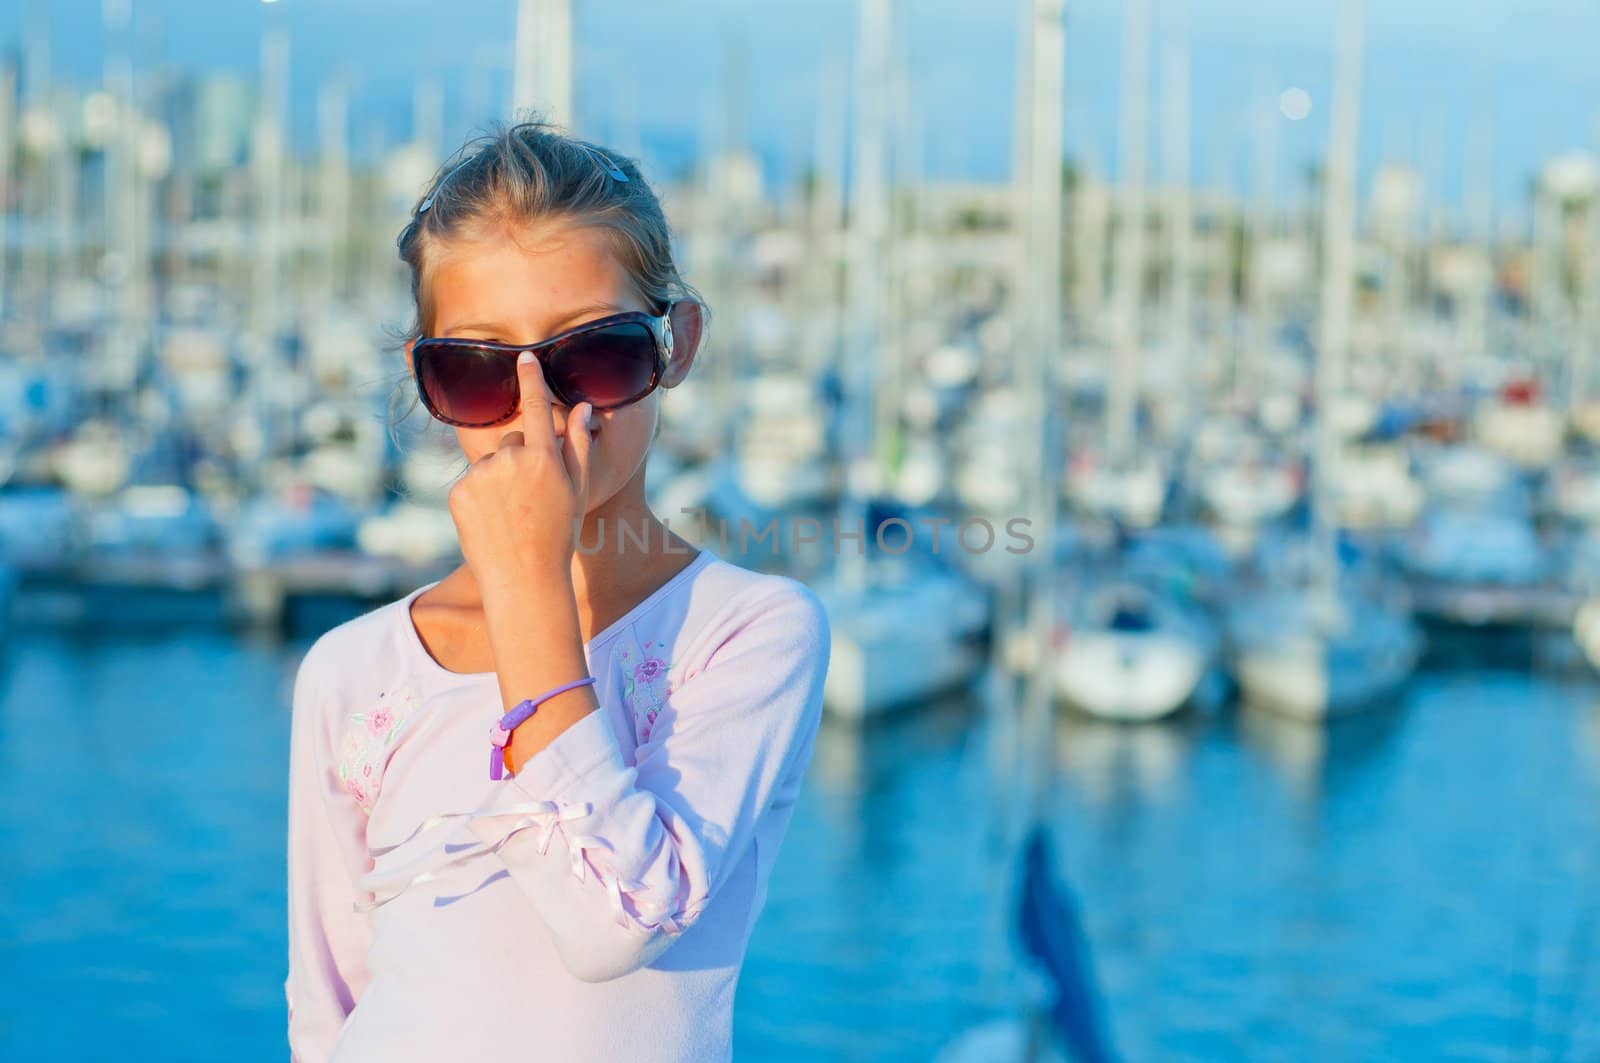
{"x": 610, "y": 362}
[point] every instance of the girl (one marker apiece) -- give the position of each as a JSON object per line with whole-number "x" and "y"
{"x": 534, "y": 806}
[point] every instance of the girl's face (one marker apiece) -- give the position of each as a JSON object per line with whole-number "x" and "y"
{"x": 523, "y": 286}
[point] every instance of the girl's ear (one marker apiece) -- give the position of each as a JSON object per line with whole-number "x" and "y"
{"x": 688, "y": 327}
{"x": 409, "y": 344}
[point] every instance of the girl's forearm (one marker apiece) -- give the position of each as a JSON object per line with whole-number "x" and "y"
{"x": 538, "y": 644}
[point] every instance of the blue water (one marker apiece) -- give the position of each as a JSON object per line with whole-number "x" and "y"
{"x": 1422, "y": 882}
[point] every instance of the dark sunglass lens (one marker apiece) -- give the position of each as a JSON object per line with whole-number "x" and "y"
{"x": 468, "y": 385}
{"x": 608, "y": 367}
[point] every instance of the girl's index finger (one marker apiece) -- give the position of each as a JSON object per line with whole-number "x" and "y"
{"x": 537, "y": 429}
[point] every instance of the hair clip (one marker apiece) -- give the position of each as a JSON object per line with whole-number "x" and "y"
{"x": 426, "y": 203}
{"x": 610, "y": 167}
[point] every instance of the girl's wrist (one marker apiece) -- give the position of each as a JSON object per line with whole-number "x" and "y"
{"x": 545, "y": 584}
{"x": 555, "y": 715}
{"x": 548, "y": 622}
{"x": 503, "y": 752}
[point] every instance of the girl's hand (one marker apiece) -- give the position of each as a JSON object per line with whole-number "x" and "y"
{"x": 517, "y": 509}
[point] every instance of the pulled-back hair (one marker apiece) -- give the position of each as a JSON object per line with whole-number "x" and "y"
{"x": 524, "y": 174}
{"x": 532, "y": 172}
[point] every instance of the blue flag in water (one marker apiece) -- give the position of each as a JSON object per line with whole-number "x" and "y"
{"x": 1047, "y": 921}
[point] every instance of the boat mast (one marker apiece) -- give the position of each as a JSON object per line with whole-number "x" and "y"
{"x": 1337, "y": 281}
{"x": 1540, "y": 290}
{"x": 1480, "y": 230}
{"x": 899, "y": 259}
{"x": 8, "y": 110}
{"x": 868, "y": 230}
{"x": 333, "y": 198}
{"x": 542, "y": 54}
{"x": 825, "y": 220}
{"x": 1589, "y": 299}
{"x": 38, "y": 131}
{"x": 427, "y": 114}
{"x": 268, "y": 166}
{"x": 1261, "y": 227}
{"x": 1175, "y": 129}
{"x": 47, "y": 128}
{"x": 265, "y": 356}
{"x": 121, "y": 198}
{"x": 1122, "y": 398}
{"x": 1040, "y": 349}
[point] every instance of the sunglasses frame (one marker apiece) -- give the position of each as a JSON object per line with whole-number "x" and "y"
{"x": 659, "y": 326}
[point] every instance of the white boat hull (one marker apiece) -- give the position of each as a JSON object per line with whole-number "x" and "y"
{"x": 872, "y": 675}
{"x": 1313, "y": 679}
{"x": 907, "y": 638}
{"x": 1586, "y": 631}
{"x": 1131, "y": 677}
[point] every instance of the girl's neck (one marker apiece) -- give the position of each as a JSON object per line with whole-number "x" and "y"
{"x": 623, "y": 555}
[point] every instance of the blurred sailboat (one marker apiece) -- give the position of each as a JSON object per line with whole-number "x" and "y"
{"x": 903, "y": 626}
{"x": 1475, "y": 557}
{"x": 1315, "y": 657}
{"x": 1055, "y": 1014}
{"x": 40, "y": 528}
{"x": 417, "y": 533}
{"x": 1132, "y": 650}
{"x": 781, "y": 451}
{"x": 1519, "y": 424}
{"x": 1244, "y": 480}
{"x": 1374, "y": 487}
{"x": 1476, "y": 567}
{"x": 95, "y": 460}
{"x": 1572, "y": 491}
{"x": 991, "y": 437}
{"x": 1133, "y": 493}
{"x": 1125, "y": 482}
{"x": 1328, "y": 645}
{"x": 298, "y": 521}
{"x": 913, "y": 630}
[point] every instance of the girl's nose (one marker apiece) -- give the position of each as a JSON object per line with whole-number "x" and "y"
{"x": 559, "y": 415}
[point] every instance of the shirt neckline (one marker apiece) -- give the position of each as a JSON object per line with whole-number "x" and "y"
{"x": 414, "y": 640}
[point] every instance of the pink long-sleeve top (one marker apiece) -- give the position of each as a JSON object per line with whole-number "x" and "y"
{"x": 594, "y": 906}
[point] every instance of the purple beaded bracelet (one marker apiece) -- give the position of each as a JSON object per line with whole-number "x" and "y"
{"x": 500, "y": 734}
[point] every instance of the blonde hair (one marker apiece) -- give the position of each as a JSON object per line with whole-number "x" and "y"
{"x": 523, "y": 174}
{"x": 534, "y": 171}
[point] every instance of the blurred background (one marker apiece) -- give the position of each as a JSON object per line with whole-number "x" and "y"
{"x": 1222, "y": 374}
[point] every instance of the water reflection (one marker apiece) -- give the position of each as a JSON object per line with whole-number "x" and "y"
{"x": 855, "y": 761}
{"x": 1589, "y": 729}
{"x": 1114, "y": 763}
{"x": 1316, "y": 759}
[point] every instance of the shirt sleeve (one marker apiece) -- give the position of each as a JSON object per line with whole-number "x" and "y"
{"x": 619, "y": 859}
{"x": 328, "y": 938}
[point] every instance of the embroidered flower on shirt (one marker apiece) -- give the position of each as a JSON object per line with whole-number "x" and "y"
{"x": 645, "y": 686}
{"x": 357, "y": 788}
{"x": 646, "y": 670}
{"x": 369, "y": 738}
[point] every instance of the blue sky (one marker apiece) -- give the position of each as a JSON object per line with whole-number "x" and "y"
{"x": 651, "y": 73}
